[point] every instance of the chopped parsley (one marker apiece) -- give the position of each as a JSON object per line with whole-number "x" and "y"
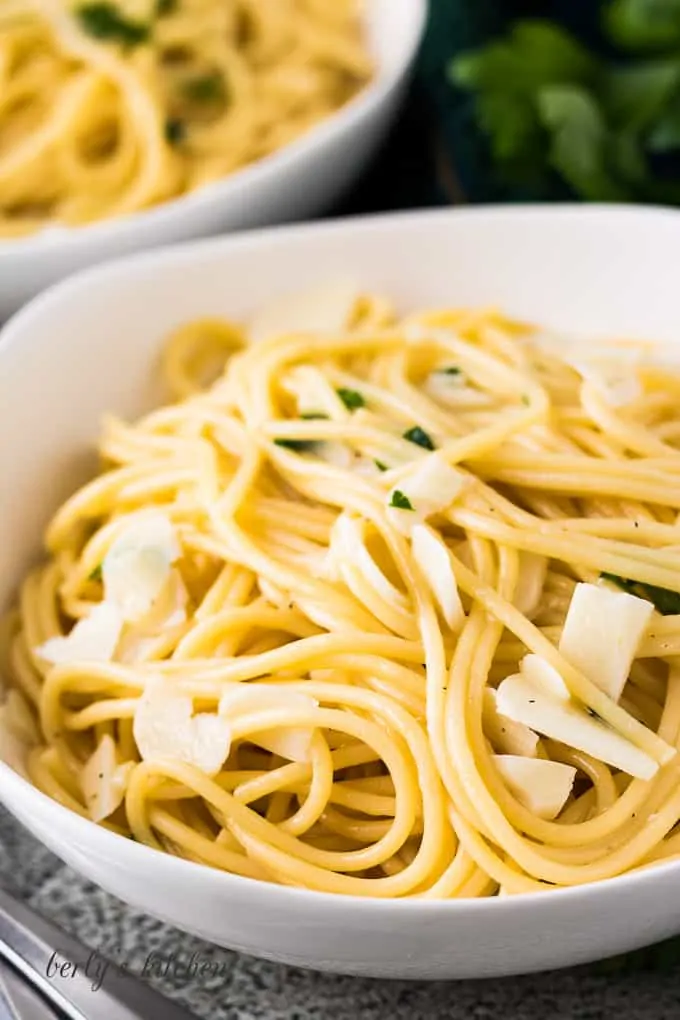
{"x": 380, "y": 466}
{"x": 314, "y": 416}
{"x": 664, "y": 601}
{"x": 166, "y": 7}
{"x": 419, "y": 437}
{"x": 204, "y": 88}
{"x": 352, "y": 399}
{"x": 525, "y": 400}
{"x": 103, "y": 20}
{"x": 96, "y": 574}
{"x": 175, "y": 131}
{"x": 400, "y": 501}
{"x": 298, "y": 445}
{"x": 451, "y": 370}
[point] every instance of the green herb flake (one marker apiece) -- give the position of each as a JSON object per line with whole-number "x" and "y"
{"x": 451, "y": 370}
{"x": 380, "y": 466}
{"x": 103, "y": 20}
{"x": 352, "y": 399}
{"x": 297, "y": 445}
{"x": 175, "y": 131}
{"x": 96, "y": 574}
{"x": 314, "y": 416}
{"x": 204, "y": 88}
{"x": 666, "y": 602}
{"x": 400, "y": 501}
{"x": 419, "y": 437}
{"x": 166, "y": 7}
{"x": 525, "y": 400}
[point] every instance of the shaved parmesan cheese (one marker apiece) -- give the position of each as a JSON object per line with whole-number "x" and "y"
{"x": 602, "y": 632}
{"x": 610, "y": 368}
{"x": 137, "y": 566}
{"x": 164, "y": 727}
{"x": 338, "y": 454}
{"x": 528, "y": 703}
{"x": 141, "y": 640}
{"x": 93, "y": 639}
{"x": 539, "y": 671}
{"x": 454, "y": 391}
{"x": 617, "y": 383}
{"x": 533, "y": 570}
{"x": 366, "y": 467}
{"x": 170, "y": 607}
{"x": 431, "y": 487}
{"x": 292, "y": 742}
{"x": 434, "y": 560}
{"x": 543, "y": 787}
{"x": 326, "y": 309}
{"x": 312, "y": 392}
{"x": 103, "y": 781}
{"x": 506, "y": 735}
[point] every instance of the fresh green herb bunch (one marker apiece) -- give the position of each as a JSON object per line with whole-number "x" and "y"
{"x": 559, "y": 117}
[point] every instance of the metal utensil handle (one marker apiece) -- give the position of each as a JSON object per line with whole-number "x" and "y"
{"x": 22, "y": 999}
{"x": 55, "y": 963}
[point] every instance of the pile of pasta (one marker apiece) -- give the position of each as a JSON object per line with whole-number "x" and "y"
{"x": 108, "y": 107}
{"x": 377, "y": 605}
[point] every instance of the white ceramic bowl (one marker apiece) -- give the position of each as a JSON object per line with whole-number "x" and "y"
{"x": 90, "y": 345}
{"x": 298, "y": 181}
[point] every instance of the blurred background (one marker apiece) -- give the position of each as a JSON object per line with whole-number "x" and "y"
{"x": 532, "y": 100}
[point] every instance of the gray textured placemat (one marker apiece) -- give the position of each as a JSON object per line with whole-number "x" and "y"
{"x": 242, "y": 988}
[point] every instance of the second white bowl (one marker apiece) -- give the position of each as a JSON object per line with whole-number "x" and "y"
{"x": 298, "y": 181}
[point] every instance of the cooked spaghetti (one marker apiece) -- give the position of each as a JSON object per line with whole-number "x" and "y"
{"x": 377, "y": 606}
{"x": 108, "y": 108}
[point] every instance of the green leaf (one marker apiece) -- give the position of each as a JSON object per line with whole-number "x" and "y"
{"x": 634, "y": 96}
{"x": 400, "y": 501}
{"x": 627, "y": 158}
{"x": 579, "y": 142}
{"x": 352, "y": 399}
{"x": 513, "y": 128}
{"x": 534, "y": 53}
{"x": 505, "y": 76}
{"x": 419, "y": 437}
{"x": 665, "y": 135}
{"x": 105, "y": 21}
{"x": 644, "y": 25}
{"x": 664, "y": 601}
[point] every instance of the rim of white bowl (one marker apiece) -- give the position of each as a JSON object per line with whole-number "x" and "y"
{"x": 142, "y": 855}
{"x": 344, "y": 119}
